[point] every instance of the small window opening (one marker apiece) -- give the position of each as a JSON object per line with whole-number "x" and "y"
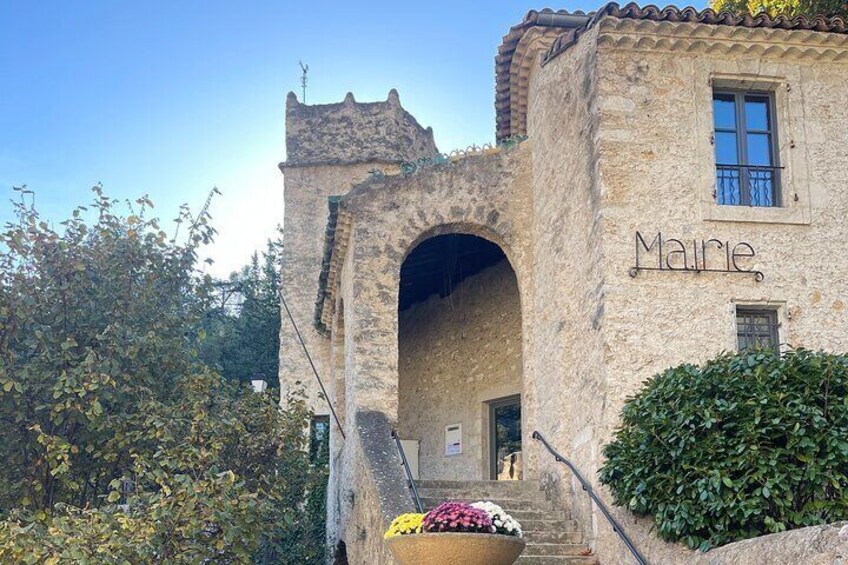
{"x": 757, "y": 328}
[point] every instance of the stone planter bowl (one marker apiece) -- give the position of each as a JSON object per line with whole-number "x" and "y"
{"x": 455, "y": 549}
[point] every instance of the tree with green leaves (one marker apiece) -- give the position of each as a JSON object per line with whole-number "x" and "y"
{"x": 243, "y": 326}
{"x": 788, "y": 8}
{"x": 120, "y": 445}
{"x": 218, "y": 474}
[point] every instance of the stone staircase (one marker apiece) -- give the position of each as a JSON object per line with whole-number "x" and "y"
{"x": 552, "y": 537}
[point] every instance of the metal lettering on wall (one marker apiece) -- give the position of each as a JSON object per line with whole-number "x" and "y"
{"x": 694, "y": 256}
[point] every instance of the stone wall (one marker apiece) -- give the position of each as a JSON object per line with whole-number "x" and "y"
{"x": 455, "y": 354}
{"x": 657, "y": 174}
{"x": 569, "y": 294}
{"x": 816, "y": 545}
{"x": 306, "y": 192}
{"x": 374, "y": 488}
{"x": 634, "y": 154}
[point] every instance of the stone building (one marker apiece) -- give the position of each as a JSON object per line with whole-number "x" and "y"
{"x": 671, "y": 184}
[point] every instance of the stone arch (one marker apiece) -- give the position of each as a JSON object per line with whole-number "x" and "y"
{"x": 474, "y": 350}
{"x": 462, "y": 227}
{"x": 484, "y": 196}
{"x": 487, "y": 232}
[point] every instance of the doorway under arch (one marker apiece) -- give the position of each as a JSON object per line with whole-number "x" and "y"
{"x": 460, "y": 360}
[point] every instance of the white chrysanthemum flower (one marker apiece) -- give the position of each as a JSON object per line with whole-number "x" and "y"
{"x": 502, "y": 522}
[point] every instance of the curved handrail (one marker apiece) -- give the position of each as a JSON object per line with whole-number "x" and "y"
{"x": 410, "y": 482}
{"x": 616, "y": 527}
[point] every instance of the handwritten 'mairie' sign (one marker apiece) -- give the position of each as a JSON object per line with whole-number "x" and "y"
{"x": 694, "y": 256}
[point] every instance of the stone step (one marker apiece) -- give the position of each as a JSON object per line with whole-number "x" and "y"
{"x": 536, "y": 515}
{"x": 534, "y": 548}
{"x": 536, "y": 536}
{"x": 517, "y": 486}
{"x": 482, "y": 494}
{"x": 552, "y": 537}
{"x": 548, "y": 525}
{"x": 557, "y": 560}
{"x": 510, "y": 505}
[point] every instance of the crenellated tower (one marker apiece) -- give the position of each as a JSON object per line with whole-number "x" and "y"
{"x": 329, "y": 148}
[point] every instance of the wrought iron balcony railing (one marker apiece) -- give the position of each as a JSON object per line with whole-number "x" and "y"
{"x": 747, "y": 185}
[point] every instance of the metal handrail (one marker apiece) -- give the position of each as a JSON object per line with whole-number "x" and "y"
{"x": 312, "y": 364}
{"x": 616, "y": 527}
{"x": 410, "y": 482}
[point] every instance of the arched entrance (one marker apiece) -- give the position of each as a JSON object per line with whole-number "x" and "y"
{"x": 460, "y": 360}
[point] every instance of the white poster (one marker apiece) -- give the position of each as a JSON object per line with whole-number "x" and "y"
{"x": 453, "y": 439}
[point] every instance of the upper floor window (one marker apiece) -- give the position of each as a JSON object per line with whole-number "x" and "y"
{"x": 747, "y": 171}
{"x": 757, "y": 328}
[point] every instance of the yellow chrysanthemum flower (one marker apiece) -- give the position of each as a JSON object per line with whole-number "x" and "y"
{"x": 405, "y": 524}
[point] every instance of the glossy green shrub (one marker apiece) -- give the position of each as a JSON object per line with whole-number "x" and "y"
{"x": 748, "y": 444}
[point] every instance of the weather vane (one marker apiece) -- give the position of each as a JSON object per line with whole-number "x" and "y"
{"x": 303, "y": 79}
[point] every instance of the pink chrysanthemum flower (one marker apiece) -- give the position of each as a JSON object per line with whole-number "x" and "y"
{"x": 457, "y": 517}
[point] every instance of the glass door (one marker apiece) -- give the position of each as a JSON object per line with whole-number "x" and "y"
{"x": 505, "y": 439}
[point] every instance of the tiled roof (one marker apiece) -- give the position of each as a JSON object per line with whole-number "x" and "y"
{"x": 324, "y": 276}
{"x": 503, "y": 63}
{"x": 546, "y": 18}
{"x": 691, "y": 15}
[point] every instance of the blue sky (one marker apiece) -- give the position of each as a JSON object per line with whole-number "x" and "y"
{"x": 172, "y": 98}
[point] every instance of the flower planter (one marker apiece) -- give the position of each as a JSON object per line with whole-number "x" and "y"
{"x": 451, "y": 548}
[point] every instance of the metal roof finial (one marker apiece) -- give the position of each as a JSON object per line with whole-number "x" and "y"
{"x": 303, "y": 79}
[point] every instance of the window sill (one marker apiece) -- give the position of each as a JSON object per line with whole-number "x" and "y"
{"x": 797, "y": 215}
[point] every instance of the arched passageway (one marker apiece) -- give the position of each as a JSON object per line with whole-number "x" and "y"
{"x": 460, "y": 360}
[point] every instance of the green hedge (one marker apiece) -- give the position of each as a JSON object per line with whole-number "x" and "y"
{"x": 748, "y": 444}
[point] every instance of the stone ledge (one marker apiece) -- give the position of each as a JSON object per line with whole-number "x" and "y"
{"x": 816, "y": 545}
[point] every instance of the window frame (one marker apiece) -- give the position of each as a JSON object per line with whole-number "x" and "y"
{"x": 773, "y": 326}
{"x": 741, "y": 131}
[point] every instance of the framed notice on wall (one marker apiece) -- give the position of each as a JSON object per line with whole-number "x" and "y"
{"x": 453, "y": 439}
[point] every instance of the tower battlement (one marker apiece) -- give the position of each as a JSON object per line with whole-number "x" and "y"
{"x": 351, "y": 132}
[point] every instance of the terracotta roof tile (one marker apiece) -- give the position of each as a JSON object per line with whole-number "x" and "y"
{"x": 633, "y": 11}
{"x": 503, "y": 61}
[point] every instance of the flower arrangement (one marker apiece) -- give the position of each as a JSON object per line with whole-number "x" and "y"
{"x": 502, "y": 522}
{"x": 457, "y": 517}
{"x": 450, "y": 533}
{"x": 480, "y": 517}
{"x": 405, "y": 524}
